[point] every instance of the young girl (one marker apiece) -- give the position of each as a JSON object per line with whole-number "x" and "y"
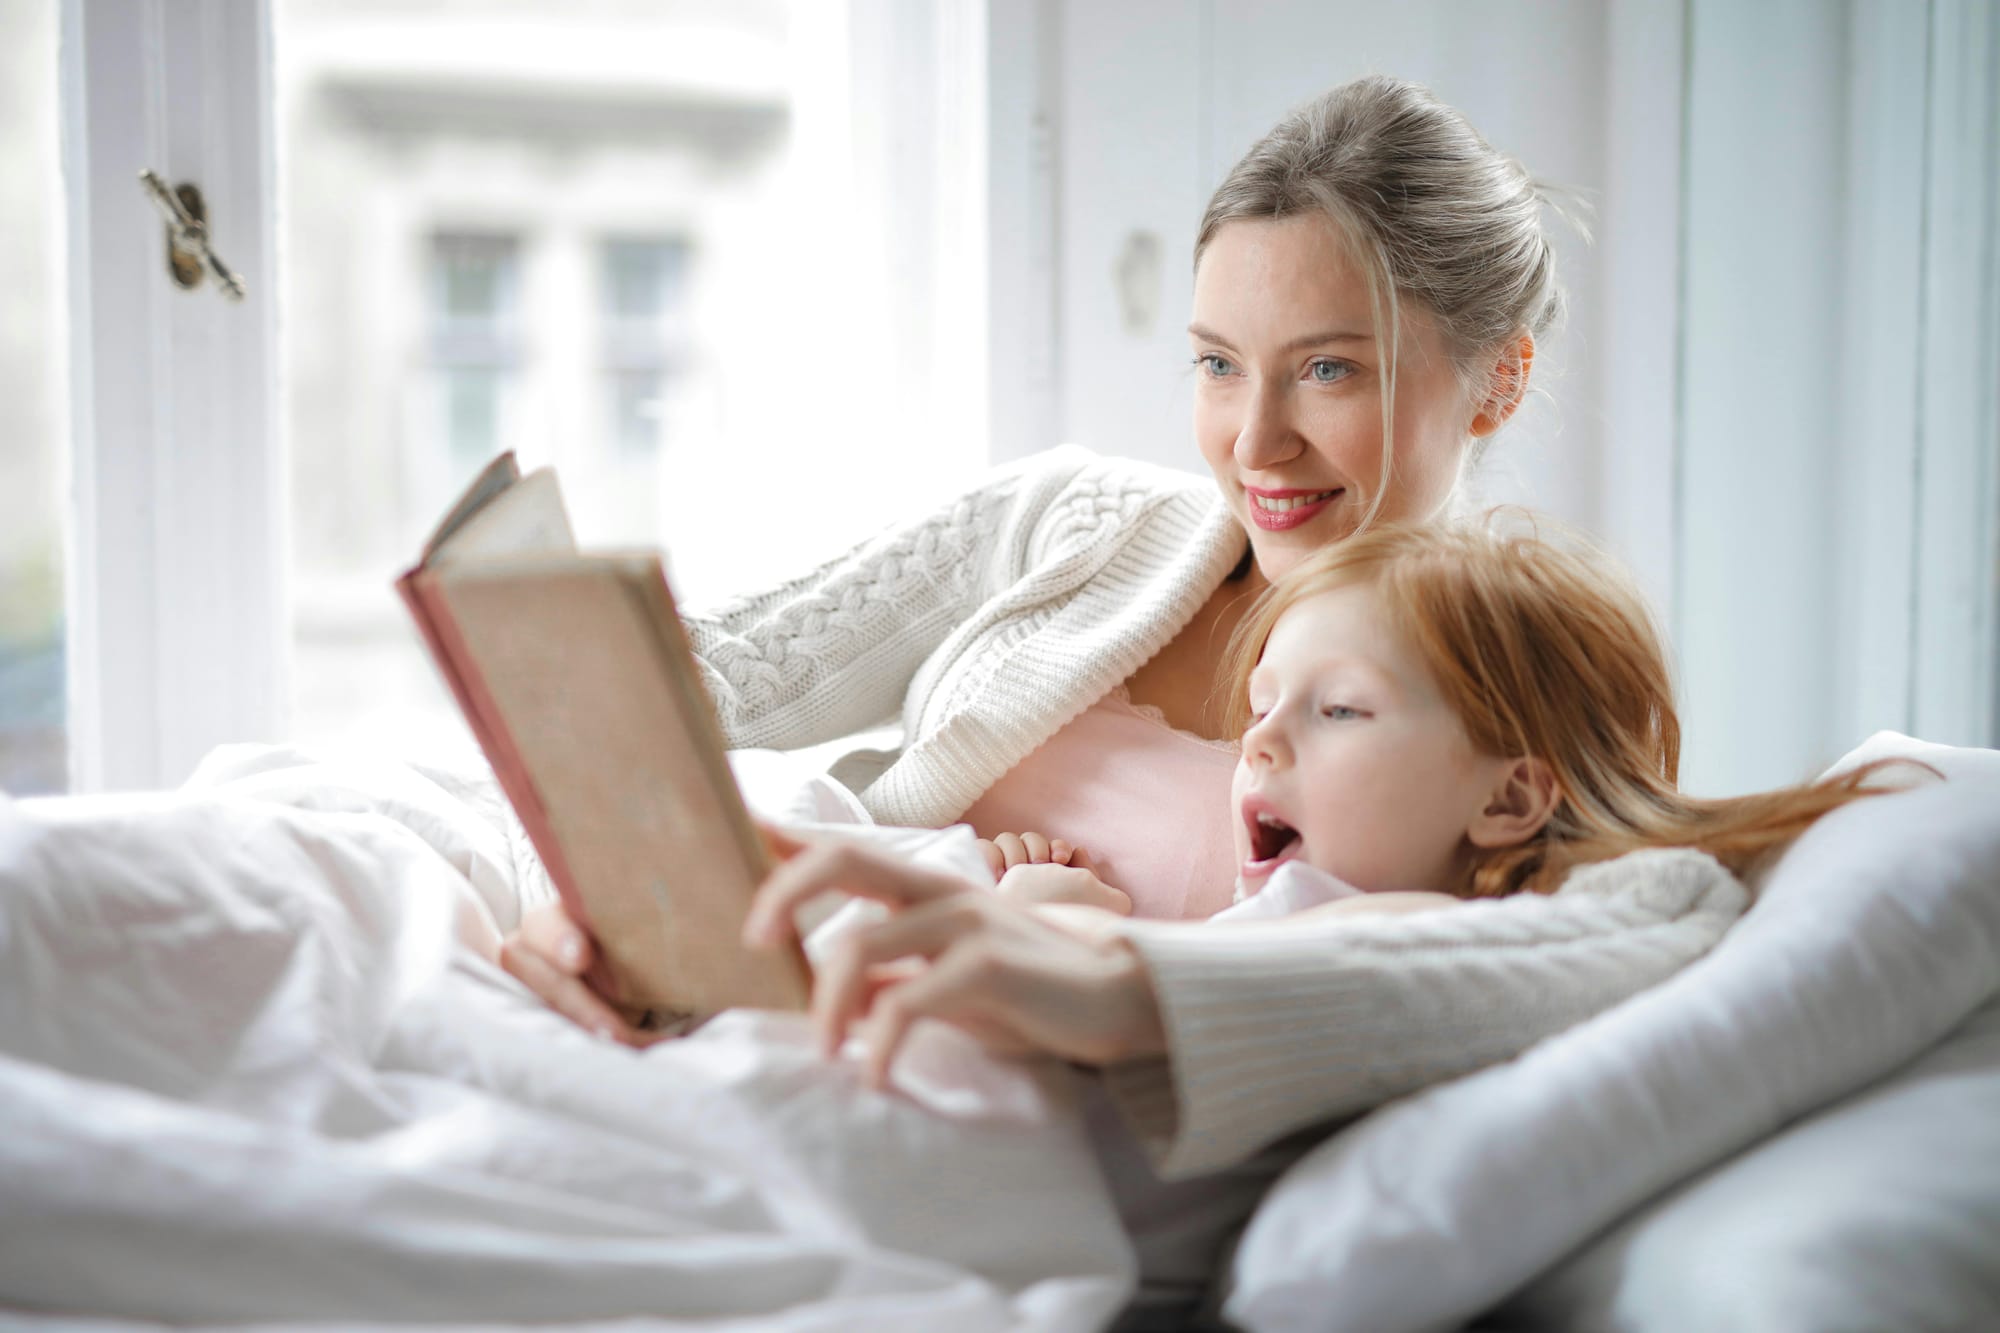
{"x": 1445, "y": 714}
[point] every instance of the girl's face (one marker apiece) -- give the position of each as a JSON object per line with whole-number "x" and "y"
{"x": 1355, "y": 764}
{"x": 1289, "y": 383}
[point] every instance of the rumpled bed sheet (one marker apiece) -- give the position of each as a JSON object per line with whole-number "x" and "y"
{"x": 256, "y": 1069}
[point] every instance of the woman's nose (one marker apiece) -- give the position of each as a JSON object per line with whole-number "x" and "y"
{"x": 1267, "y": 438}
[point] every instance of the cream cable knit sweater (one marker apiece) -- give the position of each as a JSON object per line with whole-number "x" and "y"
{"x": 989, "y": 624}
{"x": 1276, "y": 1025}
{"x": 985, "y": 626}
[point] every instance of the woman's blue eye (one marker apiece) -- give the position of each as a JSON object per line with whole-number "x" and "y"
{"x": 1329, "y": 372}
{"x": 1217, "y": 366}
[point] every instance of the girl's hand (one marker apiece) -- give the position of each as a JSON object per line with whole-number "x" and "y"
{"x": 1063, "y": 884}
{"x": 950, "y": 950}
{"x": 549, "y": 954}
{"x": 1008, "y": 850}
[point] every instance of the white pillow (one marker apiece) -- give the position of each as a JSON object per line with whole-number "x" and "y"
{"x": 1880, "y": 1213}
{"x": 1874, "y": 936}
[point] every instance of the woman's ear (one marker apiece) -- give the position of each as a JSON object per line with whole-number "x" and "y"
{"x": 1524, "y": 796}
{"x": 1506, "y": 386}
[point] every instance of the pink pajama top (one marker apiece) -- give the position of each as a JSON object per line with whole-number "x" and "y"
{"x": 1148, "y": 802}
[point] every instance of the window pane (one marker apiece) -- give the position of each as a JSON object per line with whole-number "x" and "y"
{"x": 616, "y": 237}
{"x": 32, "y": 413}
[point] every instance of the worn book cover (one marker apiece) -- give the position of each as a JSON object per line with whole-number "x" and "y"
{"x": 575, "y": 675}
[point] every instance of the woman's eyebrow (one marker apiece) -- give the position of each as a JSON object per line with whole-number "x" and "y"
{"x": 1209, "y": 335}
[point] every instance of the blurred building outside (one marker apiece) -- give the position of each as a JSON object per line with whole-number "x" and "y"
{"x": 614, "y": 237}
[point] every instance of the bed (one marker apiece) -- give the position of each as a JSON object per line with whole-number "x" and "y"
{"x": 259, "y": 1072}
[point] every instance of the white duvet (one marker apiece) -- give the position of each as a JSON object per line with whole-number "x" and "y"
{"x": 250, "y": 1070}
{"x": 255, "y": 1070}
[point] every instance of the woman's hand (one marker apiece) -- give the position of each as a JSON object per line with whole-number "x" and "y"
{"x": 549, "y": 954}
{"x": 1018, "y": 981}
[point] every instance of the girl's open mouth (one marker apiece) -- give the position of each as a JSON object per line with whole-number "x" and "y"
{"x": 1272, "y": 842}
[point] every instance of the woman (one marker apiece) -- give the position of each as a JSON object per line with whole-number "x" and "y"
{"x": 1370, "y": 282}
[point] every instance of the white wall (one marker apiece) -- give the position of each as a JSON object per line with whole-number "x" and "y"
{"x": 1776, "y": 396}
{"x": 1839, "y": 475}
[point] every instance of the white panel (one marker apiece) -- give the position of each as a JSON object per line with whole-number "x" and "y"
{"x": 177, "y": 548}
{"x": 1956, "y": 657}
{"x": 1024, "y": 110}
{"x": 1131, "y": 118}
{"x": 1761, "y": 326}
{"x": 1638, "y": 243}
{"x": 1873, "y": 566}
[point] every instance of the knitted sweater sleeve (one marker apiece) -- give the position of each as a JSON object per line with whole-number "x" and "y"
{"x": 1273, "y": 1026}
{"x": 833, "y": 651}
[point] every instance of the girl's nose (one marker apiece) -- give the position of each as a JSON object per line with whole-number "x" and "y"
{"x": 1264, "y": 742}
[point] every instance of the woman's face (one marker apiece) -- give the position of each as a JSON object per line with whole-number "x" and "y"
{"x": 1289, "y": 382}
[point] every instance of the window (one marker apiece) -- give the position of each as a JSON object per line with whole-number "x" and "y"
{"x": 32, "y": 633}
{"x": 619, "y": 241}
{"x": 643, "y": 310}
{"x": 474, "y": 341}
{"x": 644, "y": 243}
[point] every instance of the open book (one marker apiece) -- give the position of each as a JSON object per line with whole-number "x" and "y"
{"x": 576, "y": 677}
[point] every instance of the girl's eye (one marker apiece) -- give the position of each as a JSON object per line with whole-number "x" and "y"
{"x": 1341, "y": 712}
{"x": 1214, "y": 365}
{"x": 1329, "y": 372}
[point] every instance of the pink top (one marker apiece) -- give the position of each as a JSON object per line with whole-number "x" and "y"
{"x": 1149, "y": 803}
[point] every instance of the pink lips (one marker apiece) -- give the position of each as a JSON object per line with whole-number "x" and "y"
{"x": 1252, "y": 868}
{"x": 1290, "y": 518}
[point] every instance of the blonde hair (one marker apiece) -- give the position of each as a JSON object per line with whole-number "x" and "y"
{"x": 1429, "y": 210}
{"x": 1550, "y": 653}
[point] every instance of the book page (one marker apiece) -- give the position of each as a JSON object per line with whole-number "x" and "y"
{"x": 526, "y": 517}
{"x": 494, "y": 478}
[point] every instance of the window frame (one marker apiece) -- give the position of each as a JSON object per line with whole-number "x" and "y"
{"x": 177, "y": 550}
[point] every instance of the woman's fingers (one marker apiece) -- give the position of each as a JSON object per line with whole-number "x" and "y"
{"x": 849, "y": 868}
{"x": 567, "y": 994}
{"x": 550, "y": 932}
{"x": 1037, "y": 848}
{"x": 783, "y": 846}
{"x": 951, "y": 989}
{"x": 845, "y": 983}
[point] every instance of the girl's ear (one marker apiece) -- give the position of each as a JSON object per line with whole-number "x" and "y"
{"x": 1524, "y": 796}
{"x": 1508, "y": 386}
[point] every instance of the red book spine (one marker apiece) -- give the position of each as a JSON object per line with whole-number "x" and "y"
{"x": 455, "y": 661}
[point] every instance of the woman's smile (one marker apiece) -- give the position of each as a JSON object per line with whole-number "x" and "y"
{"x": 1275, "y": 511}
